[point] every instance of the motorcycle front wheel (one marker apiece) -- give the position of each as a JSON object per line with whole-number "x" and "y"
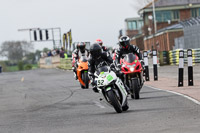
{"x": 114, "y": 101}
{"x": 135, "y": 86}
{"x": 85, "y": 79}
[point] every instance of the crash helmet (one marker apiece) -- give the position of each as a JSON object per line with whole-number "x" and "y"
{"x": 81, "y": 47}
{"x": 99, "y": 41}
{"x": 124, "y": 42}
{"x": 95, "y": 50}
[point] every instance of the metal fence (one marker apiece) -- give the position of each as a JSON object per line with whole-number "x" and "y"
{"x": 191, "y": 39}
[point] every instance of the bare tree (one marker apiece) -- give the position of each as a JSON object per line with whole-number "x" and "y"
{"x": 15, "y": 50}
{"x": 138, "y": 4}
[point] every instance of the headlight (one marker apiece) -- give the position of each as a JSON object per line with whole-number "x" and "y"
{"x": 132, "y": 69}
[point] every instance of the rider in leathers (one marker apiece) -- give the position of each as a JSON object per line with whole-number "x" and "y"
{"x": 98, "y": 59}
{"x": 126, "y": 48}
{"x": 100, "y": 42}
{"x": 80, "y": 51}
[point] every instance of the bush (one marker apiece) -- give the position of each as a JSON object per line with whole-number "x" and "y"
{"x": 20, "y": 65}
{"x": 28, "y": 67}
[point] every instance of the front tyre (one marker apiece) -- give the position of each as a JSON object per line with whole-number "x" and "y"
{"x": 85, "y": 79}
{"x": 114, "y": 101}
{"x": 136, "y": 88}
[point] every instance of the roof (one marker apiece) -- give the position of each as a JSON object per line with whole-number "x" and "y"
{"x": 132, "y": 19}
{"x": 170, "y": 5}
{"x": 165, "y": 3}
{"x": 172, "y": 27}
{"x": 191, "y": 22}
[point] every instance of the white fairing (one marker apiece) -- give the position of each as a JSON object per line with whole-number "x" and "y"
{"x": 122, "y": 89}
{"x": 105, "y": 78}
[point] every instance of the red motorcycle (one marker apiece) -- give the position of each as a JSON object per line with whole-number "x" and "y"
{"x": 133, "y": 71}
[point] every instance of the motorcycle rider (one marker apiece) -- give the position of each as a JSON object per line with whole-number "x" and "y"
{"x": 126, "y": 48}
{"x": 78, "y": 52}
{"x": 100, "y": 42}
{"x": 97, "y": 57}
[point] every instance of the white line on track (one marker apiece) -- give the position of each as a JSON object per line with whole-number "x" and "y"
{"x": 99, "y": 104}
{"x": 185, "y": 96}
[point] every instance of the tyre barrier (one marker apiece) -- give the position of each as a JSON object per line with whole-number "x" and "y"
{"x": 174, "y": 56}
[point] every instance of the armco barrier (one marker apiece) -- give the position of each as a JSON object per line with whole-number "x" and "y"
{"x": 55, "y": 62}
{"x": 174, "y": 56}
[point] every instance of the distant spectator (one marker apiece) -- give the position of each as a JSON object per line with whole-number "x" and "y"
{"x": 49, "y": 54}
{"x": 53, "y": 52}
{"x": 58, "y": 51}
{"x": 62, "y": 52}
{"x": 42, "y": 54}
{"x": 66, "y": 56}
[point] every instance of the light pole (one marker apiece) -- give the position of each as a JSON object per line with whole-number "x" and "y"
{"x": 154, "y": 16}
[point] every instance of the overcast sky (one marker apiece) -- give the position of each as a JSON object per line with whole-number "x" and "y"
{"x": 88, "y": 19}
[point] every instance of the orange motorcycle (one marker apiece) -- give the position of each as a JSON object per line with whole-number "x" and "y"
{"x": 82, "y": 72}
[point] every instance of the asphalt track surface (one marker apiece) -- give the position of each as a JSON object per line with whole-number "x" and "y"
{"x": 51, "y": 101}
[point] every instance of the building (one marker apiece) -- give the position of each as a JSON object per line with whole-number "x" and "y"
{"x": 163, "y": 40}
{"x": 168, "y": 13}
{"x": 133, "y": 26}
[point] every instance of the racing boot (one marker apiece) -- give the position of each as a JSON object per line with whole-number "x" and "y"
{"x": 75, "y": 76}
{"x": 95, "y": 89}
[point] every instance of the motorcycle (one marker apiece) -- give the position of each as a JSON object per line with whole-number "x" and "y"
{"x": 82, "y": 72}
{"x": 112, "y": 88}
{"x": 133, "y": 74}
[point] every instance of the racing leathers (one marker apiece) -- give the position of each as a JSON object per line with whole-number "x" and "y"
{"x": 122, "y": 52}
{"x": 94, "y": 63}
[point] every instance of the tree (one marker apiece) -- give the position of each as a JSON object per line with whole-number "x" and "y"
{"x": 46, "y": 50}
{"x": 15, "y": 50}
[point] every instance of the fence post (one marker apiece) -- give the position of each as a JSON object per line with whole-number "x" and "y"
{"x": 155, "y": 67}
{"x": 146, "y": 64}
{"x": 181, "y": 68}
{"x": 190, "y": 68}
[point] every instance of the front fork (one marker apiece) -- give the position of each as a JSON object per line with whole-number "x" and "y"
{"x": 128, "y": 77}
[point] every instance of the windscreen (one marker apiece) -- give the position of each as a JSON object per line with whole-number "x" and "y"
{"x": 130, "y": 58}
{"x": 83, "y": 59}
{"x": 102, "y": 69}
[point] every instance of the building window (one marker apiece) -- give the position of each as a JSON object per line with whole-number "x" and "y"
{"x": 132, "y": 25}
{"x": 159, "y": 16}
{"x": 176, "y": 15}
{"x": 165, "y": 16}
{"x": 195, "y": 12}
{"x": 140, "y": 25}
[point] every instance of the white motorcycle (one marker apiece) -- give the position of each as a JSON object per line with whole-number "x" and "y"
{"x": 112, "y": 88}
